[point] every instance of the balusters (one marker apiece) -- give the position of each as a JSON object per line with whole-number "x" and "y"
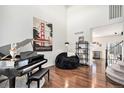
{"x": 114, "y": 52}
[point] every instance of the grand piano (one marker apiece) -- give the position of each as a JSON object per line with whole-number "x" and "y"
{"x": 27, "y": 62}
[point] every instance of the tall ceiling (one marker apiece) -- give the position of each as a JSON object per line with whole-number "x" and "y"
{"x": 108, "y": 30}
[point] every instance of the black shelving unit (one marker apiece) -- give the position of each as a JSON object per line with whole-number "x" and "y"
{"x": 82, "y": 50}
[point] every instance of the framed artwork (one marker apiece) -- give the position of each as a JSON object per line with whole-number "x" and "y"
{"x": 42, "y": 35}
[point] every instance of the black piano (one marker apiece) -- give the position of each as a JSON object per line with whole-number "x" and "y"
{"x": 20, "y": 67}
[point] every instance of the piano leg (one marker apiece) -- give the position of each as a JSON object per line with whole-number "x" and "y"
{"x": 12, "y": 82}
{"x": 40, "y": 66}
{"x": 28, "y": 75}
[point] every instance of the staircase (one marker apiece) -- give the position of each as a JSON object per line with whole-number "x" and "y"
{"x": 115, "y": 63}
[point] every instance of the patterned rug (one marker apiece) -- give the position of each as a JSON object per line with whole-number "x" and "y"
{"x": 21, "y": 83}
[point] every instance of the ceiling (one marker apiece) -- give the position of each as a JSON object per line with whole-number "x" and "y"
{"x": 68, "y": 6}
{"x": 108, "y": 30}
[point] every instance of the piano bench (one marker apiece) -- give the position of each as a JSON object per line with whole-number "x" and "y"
{"x": 37, "y": 76}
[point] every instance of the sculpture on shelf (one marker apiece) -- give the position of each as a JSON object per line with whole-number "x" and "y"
{"x": 13, "y": 51}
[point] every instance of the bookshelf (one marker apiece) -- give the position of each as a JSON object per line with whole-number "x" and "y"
{"x": 82, "y": 50}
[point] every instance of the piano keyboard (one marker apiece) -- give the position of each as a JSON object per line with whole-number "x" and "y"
{"x": 28, "y": 69}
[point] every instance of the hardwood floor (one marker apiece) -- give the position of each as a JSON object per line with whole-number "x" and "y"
{"x": 82, "y": 77}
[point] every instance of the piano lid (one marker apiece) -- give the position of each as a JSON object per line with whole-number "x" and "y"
{"x": 5, "y": 49}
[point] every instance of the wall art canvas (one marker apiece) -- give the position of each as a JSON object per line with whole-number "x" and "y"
{"x": 42, "y": 35}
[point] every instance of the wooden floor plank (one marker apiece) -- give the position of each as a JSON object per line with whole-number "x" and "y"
{"x": 82, "y": 77}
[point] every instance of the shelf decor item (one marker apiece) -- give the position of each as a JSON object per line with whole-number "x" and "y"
{"x": 81, "y": 39}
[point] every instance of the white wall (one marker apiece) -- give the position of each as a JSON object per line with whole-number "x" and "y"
{"x": 85, "y": 18}
{"x": 16, "y": 24}
{"x": 108, "y": 30}
{"x": 82, "y": 18}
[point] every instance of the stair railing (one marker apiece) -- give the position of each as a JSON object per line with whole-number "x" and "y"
{"x": 114, "y": 53}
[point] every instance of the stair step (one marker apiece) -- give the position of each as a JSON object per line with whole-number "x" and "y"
{"x": 111, "y": 73}
{"x": 117, "y": 67}
{"x": 121, "y": 63}
{"x": 114, "y": 79}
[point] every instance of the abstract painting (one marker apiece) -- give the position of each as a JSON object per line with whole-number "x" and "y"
{"x": 42, "y": 35}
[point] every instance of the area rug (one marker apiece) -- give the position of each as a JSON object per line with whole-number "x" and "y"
{"x": 21, "y": 83}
